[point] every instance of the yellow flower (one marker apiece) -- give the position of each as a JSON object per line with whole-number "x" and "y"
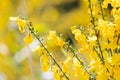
{"x": 76, "y": 62}
{"x": 113, "y": 12}
{"x": 116, "y": 70}
{"x": 28, "y": 39}
{"x": 41, "y": 50}
{"x": 21, "y": 23}
{"x": 117, "y": 11}
{"x": 93, "y": 55}
{"x": 117, "y": 29}
{"x": 106, "y": 30}
{"x": 75, "y": 30}
{"x": 95, "y": 64}
{"x": 114, "y": 3}
{"x": 117, "y": 20}
{"x": 105, "y": 3}
{"x": 115, "y": 59}
{"x": 84, "y": 49}
{"x": 45, "y": 62}
{"x": 45, "y": 67}
{"x": 93, "y": 1}
{"x": 59, "y": 42}
{"x": 81, "y": 74}
{"x": 93, "y": 38}
{"x": 53, "y": 36}
{"x": 81, "y": 38}
{"x": 65, "y": 67}
{"x": 65, "y": 64}
{"x": 103, "y": 75}
{"x": 57, "y": 76}
{"x": 56, "y": 72}
{"x": 95, "y": 9}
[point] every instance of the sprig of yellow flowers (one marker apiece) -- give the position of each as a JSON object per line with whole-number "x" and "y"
{"x": 23, "y": 24}
{"x": 37, "y": 36}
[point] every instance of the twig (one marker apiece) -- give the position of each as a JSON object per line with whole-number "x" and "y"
{"x": 102, "y": 14}
{"x": 93, "y": 22}
{"x": 37, "y": 37}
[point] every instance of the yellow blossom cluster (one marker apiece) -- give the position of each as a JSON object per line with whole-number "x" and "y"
{"x": 56, "y": 39}
{"x": 114, "y": 3}
{"x": 21, "y": 23}
{"x": 28, "y": 39}
{"x": 99, "y": 43}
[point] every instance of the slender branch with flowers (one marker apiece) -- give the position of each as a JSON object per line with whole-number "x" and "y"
{"x": 37, "y": 36}
{"x": 29, "y": 39}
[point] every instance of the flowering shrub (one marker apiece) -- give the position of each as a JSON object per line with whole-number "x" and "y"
{"x": 99, "y": 40}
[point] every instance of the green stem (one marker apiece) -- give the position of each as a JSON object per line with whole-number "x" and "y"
{"x": 110, "y": 52}
{"x": 32, "y": 31}
{"x": 97, "y": 53}
{"x": 118, "y": 39}
{"x": 93, "y": 22}
{"x": 76, "y": 56}
{"x": 100, "y": 3}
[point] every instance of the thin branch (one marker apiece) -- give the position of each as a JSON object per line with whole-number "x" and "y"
{"x": 76, "y": 56}
{"x": 37, "y": 37}
{"x": 102, "y": 14}
{"x": 93, "y": 22}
